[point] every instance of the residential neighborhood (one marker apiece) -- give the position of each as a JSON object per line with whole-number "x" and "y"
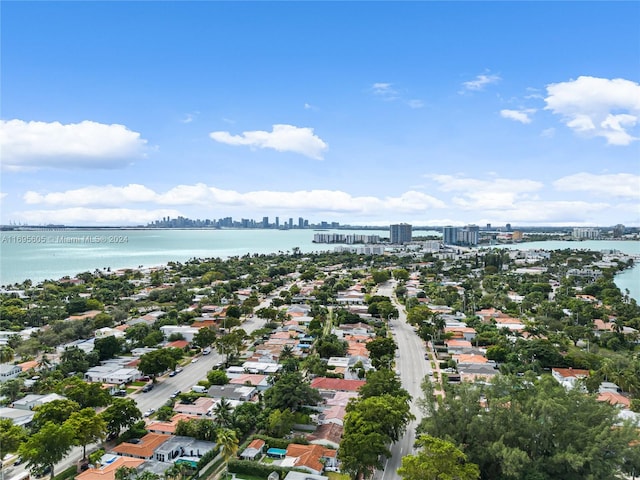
{"x": 315, "y": 366}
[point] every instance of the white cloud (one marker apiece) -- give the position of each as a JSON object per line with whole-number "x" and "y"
{"x": 548, "y": 132}
{"x": 94, "y": 216}
{"x": 415, "y": 103}
{"x": 480, "y": 82}
{"x": 551, "y": 213}
{"x": 384, "y": 90}
{"x": 521, "y": 116}
{"x": 476, "y": 194}
{"x": 3, "y": 195}
{"x": 283, "y": 138}
{"x": 208, "y": 196}
{"x": 93, "y": 195}
{"x": 602, "y": 107}
{"x": 625, "y": 185}
{"x": 86, "y": 144}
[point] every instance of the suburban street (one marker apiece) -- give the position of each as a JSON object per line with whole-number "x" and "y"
{"x": 156, "y": 398}
{"x": 412, "y": 368}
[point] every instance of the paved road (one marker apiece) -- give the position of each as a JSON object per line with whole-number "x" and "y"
{"x": 412, "y": 367}
{"x": 156, "y": 398}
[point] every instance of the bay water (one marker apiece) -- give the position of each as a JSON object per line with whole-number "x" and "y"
{"x": 52, "y": 254}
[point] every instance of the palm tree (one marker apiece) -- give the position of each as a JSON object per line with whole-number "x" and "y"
{"x": 222, "y": 413}
{"x": 6, "y": 354}
{"x": 228, "y": 443}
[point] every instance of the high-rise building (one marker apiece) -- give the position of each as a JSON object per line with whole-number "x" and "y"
{"x": 400, "y": 233}
{"x": 469, "y": 235}
{"x": 450, "y": 235}
{"x": 586, "y": 233}
{"x": 300, "y": 222}
{"x": 265, "y": 222}
{"x": 618, "y": 231}
{"x": 277, "y": 222}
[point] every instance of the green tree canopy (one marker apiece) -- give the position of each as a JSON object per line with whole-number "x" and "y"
{"x": 48, "y": 446}
{"x": 87, "y": 427}
{"x": 56, "y": 411}
{"x": 159, "y": 361}
{"x": 11, "y": 436}
{"x": 524, "y": 427}
{"x": 291, "y": 391}
{"x": 437, "y": 460}
{"x": 122, "y": 413}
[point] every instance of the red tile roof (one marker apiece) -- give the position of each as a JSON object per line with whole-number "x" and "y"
{"x": 338, "y": 384}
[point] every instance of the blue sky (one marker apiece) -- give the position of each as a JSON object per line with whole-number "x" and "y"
{"x": 119, "y": 113}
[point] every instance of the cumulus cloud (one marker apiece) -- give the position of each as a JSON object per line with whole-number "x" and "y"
{"x": 594, "y": 106}
{"x": 86, "y": 144}
{"x": 94, "y": 216}
{"x": 552, "y": 212}
{"x": 521, "y": 116}
{"x": 209, "y": 196}
{"x": 283, "y": 138}
{"x": 93, "y": 195}
{"x": 480, "y": 82}
{"x": 624, "y": 185}
{"x": 477, "y": 194}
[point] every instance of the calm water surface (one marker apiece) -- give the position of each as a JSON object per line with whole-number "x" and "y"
{"x": 41, "y": 255}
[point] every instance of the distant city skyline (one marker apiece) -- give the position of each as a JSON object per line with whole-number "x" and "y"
{"x": 361, "y": 113}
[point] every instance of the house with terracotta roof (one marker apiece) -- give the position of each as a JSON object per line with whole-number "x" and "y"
{"x": 327, "y": 434}
{"x": 466, "y": 358}
{"x": 200, "y": 407}
{"x": 181, "y": 344}
{"x": 259, "y": 381}
{"x": 169, "y": 427}
{"x": 456, "y": 346}
{"x": 109, "y": 464}
{"x": 254, "y": 450}
{"x": 510, "y": 323}
{"x": 312, "y": 458}
{"x": 336, "y": 384}
{"x": 614, "y": 398}
{"x": 569, "y": 377}
{"x": 145, "y": 449}
{"x": 461, "y": 332}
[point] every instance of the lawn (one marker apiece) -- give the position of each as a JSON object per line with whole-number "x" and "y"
{"x": 337, "y": 476}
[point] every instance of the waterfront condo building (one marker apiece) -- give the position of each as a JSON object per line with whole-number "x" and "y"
{"x": 400, "y": 233}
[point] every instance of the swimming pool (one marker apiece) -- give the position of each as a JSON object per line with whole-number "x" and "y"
{"x": 276, "y": 453}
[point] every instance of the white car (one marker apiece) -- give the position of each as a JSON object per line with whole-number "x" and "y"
{"x": 149, "y": 412}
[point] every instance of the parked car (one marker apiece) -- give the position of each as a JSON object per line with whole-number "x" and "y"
{"x": 148, "y": 387}
{"x": 173, "y": 373}
{"x": 149, "y": 412}
{"x": 119, "y": 393}
{"x": 175, "y": 394}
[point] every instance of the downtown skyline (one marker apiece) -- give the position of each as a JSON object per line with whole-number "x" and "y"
{"x": 429, "y": 113}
